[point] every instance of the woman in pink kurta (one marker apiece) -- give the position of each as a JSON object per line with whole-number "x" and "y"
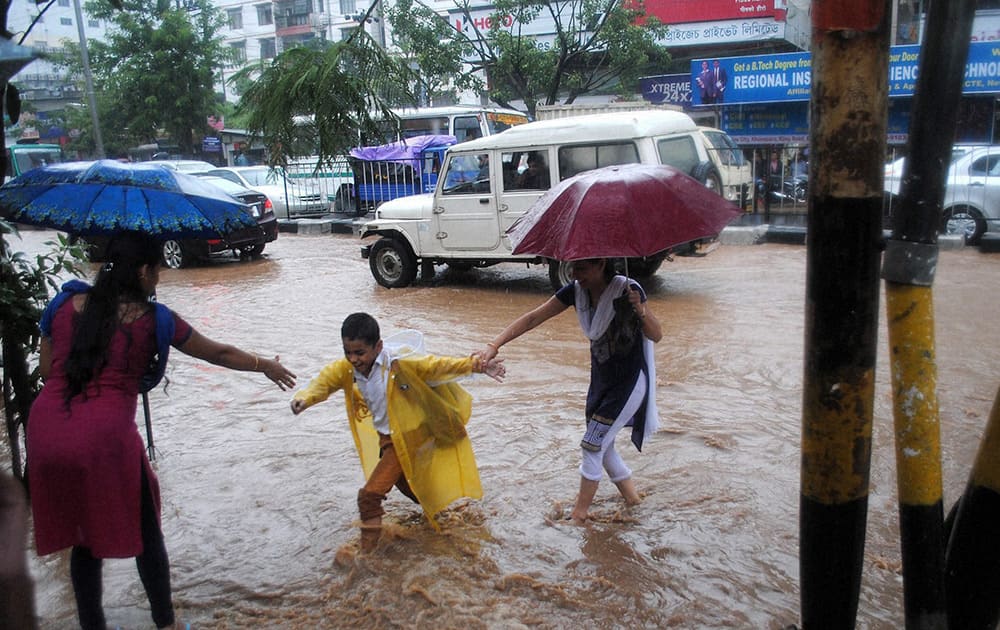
{"x": 92, "y": 488}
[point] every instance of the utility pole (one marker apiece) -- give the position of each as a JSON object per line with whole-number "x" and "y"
{"x": 91, "y": 99}
{"x": 847, "y": 119}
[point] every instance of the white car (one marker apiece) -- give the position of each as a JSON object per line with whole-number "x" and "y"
{"x": 291, "y": 198}
{"x": 972, "y": 192}
{"x": 185, "y": 166}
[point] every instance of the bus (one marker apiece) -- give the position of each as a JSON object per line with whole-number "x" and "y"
{"x": 465, "y": 122}
{"x": 23, "y": 156}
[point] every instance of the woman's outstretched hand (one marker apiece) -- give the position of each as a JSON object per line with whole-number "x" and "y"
{"x": 494, "y": 368}
{"x": 274, "y": 370}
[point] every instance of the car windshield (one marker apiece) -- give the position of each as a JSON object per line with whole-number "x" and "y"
{"x": 261, "y": 176}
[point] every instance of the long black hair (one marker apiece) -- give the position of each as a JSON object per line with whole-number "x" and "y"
{"x": 117, "y": 282}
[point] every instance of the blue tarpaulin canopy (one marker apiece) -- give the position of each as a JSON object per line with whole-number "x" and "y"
{"x": 407, "y": 150}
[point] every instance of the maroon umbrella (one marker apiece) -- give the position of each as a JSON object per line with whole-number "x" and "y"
{"x": 631, "y": 210}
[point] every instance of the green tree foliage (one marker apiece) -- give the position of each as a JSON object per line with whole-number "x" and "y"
{"x": 324, "y": 100}
{"x": 597, "y": 45}
{"x": 24, "y": 292}
{"x": 155, "y": 73}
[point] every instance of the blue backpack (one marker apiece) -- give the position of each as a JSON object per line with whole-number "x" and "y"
{"x": 164, "y": 331}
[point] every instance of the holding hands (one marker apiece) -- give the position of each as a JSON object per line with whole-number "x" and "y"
{"x": 493, "y": 367}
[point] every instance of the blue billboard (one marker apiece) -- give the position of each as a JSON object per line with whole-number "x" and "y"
{"x": 788, "y": 76}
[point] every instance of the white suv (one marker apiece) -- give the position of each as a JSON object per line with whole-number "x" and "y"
{"x": 972, "y": 191}
{"x": 486, "y": 184}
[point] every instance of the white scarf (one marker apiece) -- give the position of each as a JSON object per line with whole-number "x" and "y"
{"x": 594, "y": 326}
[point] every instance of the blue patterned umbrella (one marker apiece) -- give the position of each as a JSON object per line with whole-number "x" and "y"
{"x": 104, "y": 197}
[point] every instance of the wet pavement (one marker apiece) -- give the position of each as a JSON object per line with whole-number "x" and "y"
{"x": 257, "y": 503}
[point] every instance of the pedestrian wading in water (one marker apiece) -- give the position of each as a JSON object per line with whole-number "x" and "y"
{"x": 407, "y": 416}
{"x": 615, "y": 318}
{"x": 92, "y": 488}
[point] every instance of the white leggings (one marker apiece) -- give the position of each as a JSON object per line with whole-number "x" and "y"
{"x": 608, "y": 458}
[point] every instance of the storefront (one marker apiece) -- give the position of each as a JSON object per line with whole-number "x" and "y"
{"x": 762, "y": 102}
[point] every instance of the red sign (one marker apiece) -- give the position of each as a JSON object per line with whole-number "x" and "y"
{"x": 681, "y": 11}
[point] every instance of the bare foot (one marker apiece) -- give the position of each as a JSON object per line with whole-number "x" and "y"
{"x": 369, "y": 538}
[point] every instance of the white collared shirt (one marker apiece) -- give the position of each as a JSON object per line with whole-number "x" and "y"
{"x": 373, "y": 388}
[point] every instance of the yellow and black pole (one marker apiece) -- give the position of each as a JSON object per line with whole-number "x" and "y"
{"x": 850, "y": 56}
{"x": 973, "y": 554}
{"x": 909, "y": 265}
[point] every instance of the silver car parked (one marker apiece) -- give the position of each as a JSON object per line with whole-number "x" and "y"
{"x": 972, "y": 191}
{"x": 291, "y": 198}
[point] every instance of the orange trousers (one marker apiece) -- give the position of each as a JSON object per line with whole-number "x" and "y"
{"x": 387, "y": 473}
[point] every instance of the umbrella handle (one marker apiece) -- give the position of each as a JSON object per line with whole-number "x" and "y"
{"x": 149, "y": 427}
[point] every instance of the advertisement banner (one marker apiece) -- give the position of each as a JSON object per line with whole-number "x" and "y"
{"x": 787, "y": 76}
{"x": 683, "y": 11}
{"x": 673, "y": 89}
{"x": 788, "y": 123}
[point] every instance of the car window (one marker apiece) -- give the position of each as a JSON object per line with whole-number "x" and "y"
{"x": 679, "y": 152}
{"x": 725, "y": 148}
{"x": 980, "y": 166}
{"x": 466, "y": 128}
{"x": 466, "y": 173}
{"x": 227, "y": 176}
{"x": 576, "y": 159}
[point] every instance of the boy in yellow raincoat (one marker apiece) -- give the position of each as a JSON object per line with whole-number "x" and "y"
{"x": 407, "y": 417}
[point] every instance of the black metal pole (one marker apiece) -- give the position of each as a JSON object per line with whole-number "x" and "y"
{"x": 848, "y": 113}
{"x": 973, "y": 553}
{"x": 910, "y": 262}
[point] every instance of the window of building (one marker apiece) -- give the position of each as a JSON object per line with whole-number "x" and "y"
{"x": 348, "y": 7}
{"x": 235, "y": 17}
{"x": 345, "y": 33}
{"x": 239, "y": 52}
{"x": 66, "y": 21}
{"x": 94, "y": 23}
{"x": 64, "y": 3}
{"x": 265, "y": 14}
{"x": 267, "y": 49}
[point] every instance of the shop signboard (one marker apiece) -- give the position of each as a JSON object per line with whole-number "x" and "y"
{"x": 723, "y": 32}
{"x": 673, "y": 89}
{"x": 788, "y": 123}
{"x": 686, "y": 11}
{"x": 691, "y": 22}
{"x": 787, "y": 76}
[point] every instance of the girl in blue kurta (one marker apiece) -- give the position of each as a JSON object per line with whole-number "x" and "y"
{"x": 613, "y": 314}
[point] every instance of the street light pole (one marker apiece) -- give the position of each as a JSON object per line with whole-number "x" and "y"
{"x": 91, "y": 99}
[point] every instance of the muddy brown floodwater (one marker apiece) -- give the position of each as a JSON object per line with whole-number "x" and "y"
{"x": 256, "y": 502}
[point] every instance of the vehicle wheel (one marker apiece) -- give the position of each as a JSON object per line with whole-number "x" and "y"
{"x": 560, "y": 273}
{"x": 392, "y": 263}
{"x": 252, "y": 251}
{"x": 966, "y": 221}
{"x": 707, "y": 174}
{"x": 175, "y": 255}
